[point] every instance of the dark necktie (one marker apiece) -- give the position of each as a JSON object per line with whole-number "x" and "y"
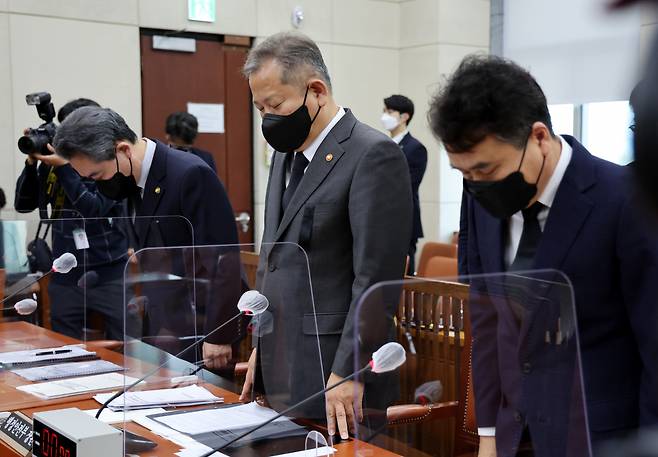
{"x": 298, "y": 166}
{"x": 525, "y": 255}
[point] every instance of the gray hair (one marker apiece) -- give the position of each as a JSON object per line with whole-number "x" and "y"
{"x": 294, "y": 52}
{"x": 93, "y": 132}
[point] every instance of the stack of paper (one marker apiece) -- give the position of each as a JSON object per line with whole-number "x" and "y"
{"x": 76, "y": 386}
{"x": 182, "y": 396}
{"x": 46, "y": 356}
{"x": 67, "y": 370}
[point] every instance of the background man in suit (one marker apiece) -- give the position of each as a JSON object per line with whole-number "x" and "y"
{"x": 50, "y": 180}
{"x": 398, "y": 111}
{"x": 340, "y": 190}
{"x": 538, "y": 200}
{"x": 182, "y": 129}
{"x": 158, "y": 181}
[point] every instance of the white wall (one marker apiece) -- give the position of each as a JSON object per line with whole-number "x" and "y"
{"x": 434, "y": 37}
{"x": 373, "y": 48}
{"x": 587, "y": 55}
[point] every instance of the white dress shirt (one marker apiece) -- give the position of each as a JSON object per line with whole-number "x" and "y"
{"x": 516, "y": 224}
{"x": 397, "y": 138}
{"x": 312, "y": 148}
{"x": 146, "y": 164}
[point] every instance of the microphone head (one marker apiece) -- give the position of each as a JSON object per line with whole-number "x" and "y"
{"x": 388, "y": 357}
{"x": 65, "y": 263}
{"x": 253, "y": 302}
{"x": 89, "y": 279}
{"x": 25, "y": 306}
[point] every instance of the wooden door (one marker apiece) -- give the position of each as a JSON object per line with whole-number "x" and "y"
{"x": 211, "y": 74}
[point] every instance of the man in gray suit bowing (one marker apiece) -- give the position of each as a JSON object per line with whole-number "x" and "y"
{"x": 341, "y": 191}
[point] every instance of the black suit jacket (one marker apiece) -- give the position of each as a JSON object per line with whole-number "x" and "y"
{"x": 184, "y": 205}
{"x": 416, "y": 156}
{"x": 596, "y": 234}
{"x": 205, "y": 156}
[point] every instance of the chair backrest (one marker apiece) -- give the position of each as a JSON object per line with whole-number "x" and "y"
{"x": 433, "y": 249}
{"x": 250, "y": 264}
{"x": 435, "y": 315}
{"x": 440, "y": 267}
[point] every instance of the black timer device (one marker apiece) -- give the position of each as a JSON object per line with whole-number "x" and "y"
{"x": 73, "y": 433}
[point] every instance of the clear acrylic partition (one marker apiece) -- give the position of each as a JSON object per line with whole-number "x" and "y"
{"x": 181, "y": 303}
{"x": 514, "y": 335}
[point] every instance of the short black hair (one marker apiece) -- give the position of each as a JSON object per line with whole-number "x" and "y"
{"x": 487, "y": 95}
{"x": 73, "y": 105}
{"x": 401, "y": 104}
{"x": 182, "y": 125}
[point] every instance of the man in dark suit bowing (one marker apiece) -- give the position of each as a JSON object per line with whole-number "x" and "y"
{"x": 537, "y": 200}
{"x": 175, "y": 199}
{"x": 340, "y": 190}
{"x": 398, "y": 112}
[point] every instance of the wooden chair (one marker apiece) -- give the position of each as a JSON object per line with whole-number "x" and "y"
{"x": 435, "y": 314}
{"x": 440, "y": 267}
{"x": 250, "y": 264}
{"x": 433, "y": 249}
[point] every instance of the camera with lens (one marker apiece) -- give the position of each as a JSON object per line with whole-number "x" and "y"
{"x": 36, "y": 140}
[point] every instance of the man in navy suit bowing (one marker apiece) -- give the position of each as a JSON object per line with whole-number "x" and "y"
{"x": 398, "y": 111}
{"x": 176, "y": 200}
{"x": 537, "y": 200}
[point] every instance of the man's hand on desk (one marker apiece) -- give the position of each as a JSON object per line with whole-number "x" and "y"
{"x": 245, "y": 396}
{"x": 487, "y": 446}
{"x": 340, "y": 403}
{"x": 216, "y": 355}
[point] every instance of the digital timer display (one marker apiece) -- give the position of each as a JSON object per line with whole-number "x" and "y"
{"x": 50, "y": 443}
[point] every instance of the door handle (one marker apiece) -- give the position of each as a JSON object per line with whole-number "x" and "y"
{"x": 243, "y": 219}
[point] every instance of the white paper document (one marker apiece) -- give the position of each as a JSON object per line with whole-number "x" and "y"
{"x": 44, "y": 356}
{"x": 210, "y": 420}
{"x": 67, "y": 370}
{"x": 75, "y": 386}
{"x": 118, "y": 417}
{"x": 210, "y": 116}
{"x": 180, "y": 396}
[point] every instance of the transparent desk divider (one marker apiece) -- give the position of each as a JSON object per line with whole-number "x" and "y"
{"x": 184, "y": 329}
{"x": 502, "y": 347}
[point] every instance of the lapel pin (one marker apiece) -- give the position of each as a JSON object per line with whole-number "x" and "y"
{"x": 157, "y": 190}
{"x": 329, "y": 157}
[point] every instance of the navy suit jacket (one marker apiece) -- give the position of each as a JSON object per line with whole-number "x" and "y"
{"x": 416, "y": 156}
{"x": 595, "y": 234}
{"x": 185, "y": 204}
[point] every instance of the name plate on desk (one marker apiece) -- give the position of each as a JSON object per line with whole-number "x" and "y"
{"x": 16, "y": 432}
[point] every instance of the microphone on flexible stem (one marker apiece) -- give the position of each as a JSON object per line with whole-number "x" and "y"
{"x": 89, "y": 280}
{"x": 23, "y": 307}
{"x": 387, "y": 358}
{"x": 251, "y": 303}
{"x": 62, "y": 264}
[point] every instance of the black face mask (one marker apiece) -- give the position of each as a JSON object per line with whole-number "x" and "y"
{"x": 505, "y": 197}
{"x": 119, "y": 186}
{"x": 287, "y": 133}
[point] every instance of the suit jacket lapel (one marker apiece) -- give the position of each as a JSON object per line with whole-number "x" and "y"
{"x": 318, "y": 169}
{"x": 277, "y": 184}
{"x": 491, "y": 239}
{"x": 153, "y": 191}
{"x": 569, "y": 211}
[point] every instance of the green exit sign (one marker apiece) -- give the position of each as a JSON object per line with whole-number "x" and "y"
{"x": 202, "y": 10}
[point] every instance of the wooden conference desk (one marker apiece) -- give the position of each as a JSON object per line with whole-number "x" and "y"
{"x": 15, "y": 336}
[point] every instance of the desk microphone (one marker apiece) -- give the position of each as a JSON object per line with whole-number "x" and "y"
{"x": 23, "y": 307}
{"x": 62, "y": 264}
{"x": 251, "y": 303}
{"x": 387, "y": 358}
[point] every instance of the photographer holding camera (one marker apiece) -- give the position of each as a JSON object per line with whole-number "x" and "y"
{"x": 98, "y": 244}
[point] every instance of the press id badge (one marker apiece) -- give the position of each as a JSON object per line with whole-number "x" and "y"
{"x": 80, "y": 239}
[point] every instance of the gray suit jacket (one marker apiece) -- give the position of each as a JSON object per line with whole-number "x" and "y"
{"x": 351, "y": 215}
